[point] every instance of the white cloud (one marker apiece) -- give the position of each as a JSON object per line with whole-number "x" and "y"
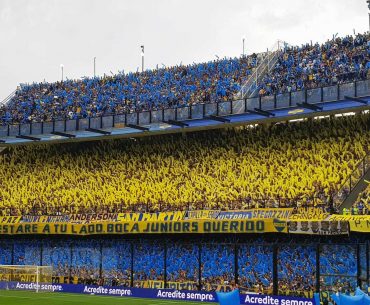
{"x": 38, "y": 35}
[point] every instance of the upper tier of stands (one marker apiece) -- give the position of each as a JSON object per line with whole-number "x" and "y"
{"x": 153, "y": 89}
{"x": 279, "y": 165}
{"x": 310, "y": 66}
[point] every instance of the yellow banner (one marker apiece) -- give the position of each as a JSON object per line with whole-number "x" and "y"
{"x": 309, "y": 214}
{"x": 21, "y": 277}
{"x": 155, "y": 284}
{"x": 182, "y": 285}
{"x": 360, "y": 226}
{"x": 10, "y": 219}
{"x": 350, "y": 217}
{"x": 357, "y": 223}
{"x": 139, "y": 227}
{"x": 160, "y": 216}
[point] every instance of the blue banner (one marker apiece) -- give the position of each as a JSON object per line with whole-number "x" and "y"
{"x": 165, "y": 294}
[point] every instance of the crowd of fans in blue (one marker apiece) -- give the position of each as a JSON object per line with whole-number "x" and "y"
{"x": 98, "y": 261}
{"x": 309, "y": 66}
{"x": 153, "y": 89}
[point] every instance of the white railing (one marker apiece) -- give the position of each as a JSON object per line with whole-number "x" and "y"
{"x": 8, "y": 98}
{"x": 268, "y": 61}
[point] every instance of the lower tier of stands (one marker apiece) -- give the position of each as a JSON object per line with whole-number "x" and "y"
{"x": 259, "y": 264}
{"x": 282, "y": 165}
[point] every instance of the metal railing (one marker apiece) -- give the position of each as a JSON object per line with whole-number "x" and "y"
{"x": 196, "y": 111}
{"x": 269, "y": 60}
{"x": 8, "y": 98}
{"x": 347, "y": 187}
{"x": 230, "y": 205}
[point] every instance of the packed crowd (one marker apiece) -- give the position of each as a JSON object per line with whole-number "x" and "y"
{"x": 148, "y": 262}
{"x": 312, "y": 66}
{"x": 85, "y": 260}
{"x": 337, "y": 259}
{"x": 57, "y": 254}
{"x": 338, "y": 267}
{"x": 218, "y": 266}
{"x": 155, "y": 89}
{"x": 362, "y": 204}
{"x": 116, "y": 263}
{"x": 255, "y": 268}
{"x": 109, "y": 262}
{"x": 295, "y": 164}
{"x": 309, "y": 66}
{"x": 182, "y": 263}
{"x": 297, "y": 268}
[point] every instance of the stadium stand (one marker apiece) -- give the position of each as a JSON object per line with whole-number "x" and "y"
{"x": 309, "y": 66}
{"x": 155, "y": 89}
{"x": 284, "y": 165}
{"x": 116, "y": 264}
{"x": 295, "y": 164}
{"x": 5, "y": 253}
{"x": 338, "y": 267}
{"x": 255, "y": 267}
{"x": 217, "y": 265}
{"x": 297, "y": 266}
{"x": 57, "y": 253}
{"x": 101, "y": 261}
{"x": 148, "y": 262}
{"x": 85, "y": 260}
{"x": 312, "y": 66}
{"x": 362, "y": 204}
{"x": 182, "y": 263}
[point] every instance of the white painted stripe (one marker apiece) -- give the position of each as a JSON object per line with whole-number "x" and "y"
{"x": 50, "y": 295}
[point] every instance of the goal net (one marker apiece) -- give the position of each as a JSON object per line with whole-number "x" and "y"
{"x": 36, "y": 278}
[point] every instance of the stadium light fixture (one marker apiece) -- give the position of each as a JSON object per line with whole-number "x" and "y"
{"x": 62, "y": 70}
{"x": 243, "y": 39}
{"x": 368, "y": 6}
{"x": 142, "y": 58}
{"x": 94, "y": 66}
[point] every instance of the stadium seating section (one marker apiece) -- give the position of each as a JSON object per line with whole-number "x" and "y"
{"x": 297, "y": 268}
{"x": 309, "y": 66}
{"x": 312, "y": 66}
{"x": 295, "y": 164}
{"x": 362, "y": 203}
{"x": 87, "y": 261}
{"x": 168, "y": 87}
{"x": 300, "y": 163}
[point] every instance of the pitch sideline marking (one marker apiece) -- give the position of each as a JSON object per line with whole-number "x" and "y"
{"x": 60, "y": 296}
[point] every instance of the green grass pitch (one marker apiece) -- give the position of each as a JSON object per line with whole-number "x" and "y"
{"x": 12, "y": 297}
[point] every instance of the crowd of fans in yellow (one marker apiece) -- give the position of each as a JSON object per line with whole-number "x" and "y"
{"x": 277, "y": 165}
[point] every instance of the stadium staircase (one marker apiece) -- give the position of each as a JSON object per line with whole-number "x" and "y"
{"x": 354, "y": 185}
{"x": 269, "y": 59}
{"x": 8, "y": 98}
